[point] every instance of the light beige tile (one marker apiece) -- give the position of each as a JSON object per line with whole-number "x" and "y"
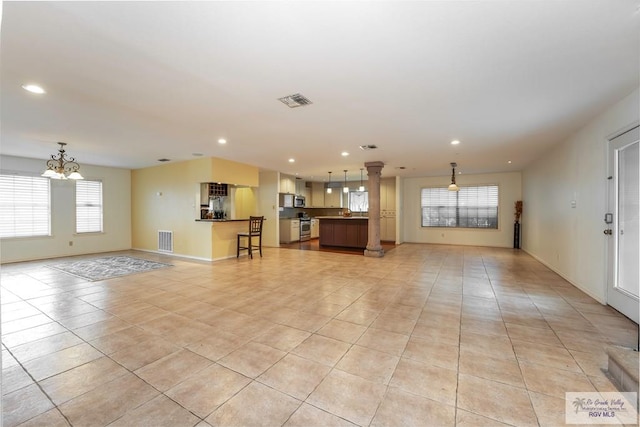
{"x": 348, "y": 396}
{"x": 24, "y": 404}
{"x": 499, "y": 347}
{"x": 308, "y": 415}
{"x": 385, "y": 341}
{"x": 252, "y": 359}
{"x": 433, "y": 382}
{"x": 32, "y": 334}
{"x": 369, "y": 364}
{"x": 501, "y": 402}
{"x": 14, "y": 378}
{"x": 172, "y": 369}
{"x": 120, "y": 340}
{"x": 210, "y": 388}
{"x": 51, "y": 418}
{"x": 469, "y": 419}
{"x": 491, "y": 368}
{"x": 544, "y": 336}
{"x": 79, "y": 380}
{"x": 401, "y": 408}
{"x": 554, "y": 382}
{"x": 437, "y": 354}
{"x": 553, "y": 357}
{"x": 109, "y": 401}
{"x": 161, "y": 411}
{"x": 551, "y": 411}
{"x": 322, "y": 349}
{"x": 295, "y": 376}
{"x": 60, "y": 361}
{"x": 218, "y": 345}
{"x": 256, "y": 404}
{"x": 282, "y": 337}
{"x": 343, "y": 331}
{"x": 143, "y": 353}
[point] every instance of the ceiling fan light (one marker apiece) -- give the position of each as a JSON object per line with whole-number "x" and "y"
{"x": 453, "y": 187}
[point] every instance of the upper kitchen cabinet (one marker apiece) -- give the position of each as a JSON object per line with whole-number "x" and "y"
{"x": 333, "y": 199}
{"x": 287, "y": 184}
{"x": 317, "y": 195}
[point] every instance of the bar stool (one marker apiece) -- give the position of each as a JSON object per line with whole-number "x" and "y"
{"x": 255, "y": 230}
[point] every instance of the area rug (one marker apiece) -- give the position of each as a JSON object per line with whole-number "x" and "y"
{"x": 107, "y": 267}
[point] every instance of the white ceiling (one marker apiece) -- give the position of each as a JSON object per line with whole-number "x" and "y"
{"x": 129, "y": 83}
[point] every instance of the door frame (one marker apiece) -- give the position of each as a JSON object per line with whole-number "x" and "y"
{"x": 615, "y": 297}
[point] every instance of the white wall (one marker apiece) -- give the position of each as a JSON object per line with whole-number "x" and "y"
{"x": 570, "y": 240}
{"x": 509, "y": 188}
{"x": 116, "y": 188}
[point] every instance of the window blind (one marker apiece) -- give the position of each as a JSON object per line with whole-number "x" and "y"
{"x": 25, "y": 207}
{"x": 471, "y": 207}
{"x": 88, "y": 206}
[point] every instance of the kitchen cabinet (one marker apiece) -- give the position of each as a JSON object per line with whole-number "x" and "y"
{"x": 287, "y": 184}
{"x": 333, "y": 199}
{"x": 315, "y": 228}
{"x": 317, "y": 195}
{"x": 289, "y": 230}
{"x": 388, "y": 194}
{"x": 388, "y": 226}
{"x": 344, "y": 232}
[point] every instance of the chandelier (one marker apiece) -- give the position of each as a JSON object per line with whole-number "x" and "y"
{"x": 61, "y": 166}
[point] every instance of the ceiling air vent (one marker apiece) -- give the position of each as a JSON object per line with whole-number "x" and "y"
{"x": 295, "y": 100}
{"x": 368, "y": 147}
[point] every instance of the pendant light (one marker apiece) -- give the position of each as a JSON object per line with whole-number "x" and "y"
{"x": 329, "y": 184}
{"x": 453, "y": 186}
{"x": 361, "y": 188}
{"x": 345, "y": 189}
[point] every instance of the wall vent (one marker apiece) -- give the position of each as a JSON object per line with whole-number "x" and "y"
{"x": 165, "y": 241}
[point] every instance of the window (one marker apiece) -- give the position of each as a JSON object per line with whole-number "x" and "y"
{"x": 471, "y": 207}
{"x": 25, "y": 207}
{"x": 358, "y": 201}
{"x": 88, "y": 206}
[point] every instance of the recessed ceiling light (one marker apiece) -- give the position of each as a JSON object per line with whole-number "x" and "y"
{"x": 222, "y": 141}
{"x": 292, "y": 160}
{"x": 345, "y": 154}
{"x": 509, "y": 162}
{"x": 455, "y": 142}
{"x": 33, "y": 88}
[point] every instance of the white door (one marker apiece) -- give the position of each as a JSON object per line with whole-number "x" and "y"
{"x": 623, "y": 245}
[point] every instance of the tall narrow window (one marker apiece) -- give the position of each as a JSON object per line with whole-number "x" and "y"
{"x": 471, "y": 207}
{"x": 25, "y": 208}
{"x": 88, "y": 206}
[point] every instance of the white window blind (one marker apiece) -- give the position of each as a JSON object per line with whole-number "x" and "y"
{"x": 88, "y": 206}
{"x": 471, "y": 207}
{"x": 25, "y": 207}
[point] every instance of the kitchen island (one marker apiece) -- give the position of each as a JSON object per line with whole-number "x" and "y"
{"x": 344, "y": 231}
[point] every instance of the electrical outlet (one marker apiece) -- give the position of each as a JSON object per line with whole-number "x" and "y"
{"x": 70, "y": 242}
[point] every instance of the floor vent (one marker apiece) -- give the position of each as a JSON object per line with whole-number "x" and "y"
{"x": 165, "y": 241}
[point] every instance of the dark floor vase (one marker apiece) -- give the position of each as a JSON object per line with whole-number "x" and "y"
{"x": 516, "y": 235}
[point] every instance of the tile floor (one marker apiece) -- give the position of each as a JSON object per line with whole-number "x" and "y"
{"x": 426, "y": 336}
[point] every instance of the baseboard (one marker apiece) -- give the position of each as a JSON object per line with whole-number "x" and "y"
{"x": 586, "y": 291}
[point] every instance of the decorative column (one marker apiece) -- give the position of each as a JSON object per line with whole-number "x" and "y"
{"x": 374, "y": 249}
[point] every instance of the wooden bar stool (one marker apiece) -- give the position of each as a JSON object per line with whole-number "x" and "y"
{"x": 255, "y": 230}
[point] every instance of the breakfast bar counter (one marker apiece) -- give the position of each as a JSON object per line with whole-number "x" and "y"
{"x": 345, "y": 232}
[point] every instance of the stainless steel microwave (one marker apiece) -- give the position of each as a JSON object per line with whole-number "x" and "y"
{"x": 298, "y": 202}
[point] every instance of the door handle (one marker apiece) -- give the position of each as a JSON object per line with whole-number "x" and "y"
{"x": 608, "y": 232}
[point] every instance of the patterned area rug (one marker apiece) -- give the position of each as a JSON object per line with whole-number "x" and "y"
{"x": 107, "y": 267}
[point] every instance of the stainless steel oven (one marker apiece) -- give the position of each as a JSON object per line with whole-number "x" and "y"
{"x": 305, "y": 229}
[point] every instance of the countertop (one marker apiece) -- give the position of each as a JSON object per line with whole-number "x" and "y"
{"x": 222, "y": 220}
{"x": 342, "y": 217}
